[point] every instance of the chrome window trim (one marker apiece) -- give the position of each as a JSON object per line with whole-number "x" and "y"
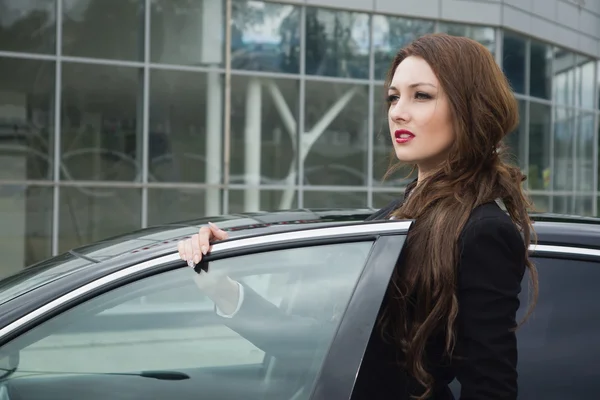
{"x": 314, "y": 233}
{"x": 84, "y": 289}
{"x": 543, "y": 248}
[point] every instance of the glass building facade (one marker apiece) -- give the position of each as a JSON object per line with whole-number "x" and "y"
{"x": 122, "y": 114}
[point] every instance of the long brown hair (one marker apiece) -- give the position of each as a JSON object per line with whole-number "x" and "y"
{"x": 475, "y": 172}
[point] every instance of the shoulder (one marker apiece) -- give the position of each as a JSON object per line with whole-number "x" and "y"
{"x": 490, "y": 239}
{"x": 489, "y": 219}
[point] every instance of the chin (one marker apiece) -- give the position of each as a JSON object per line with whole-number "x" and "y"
{"x": 403, "y": 157}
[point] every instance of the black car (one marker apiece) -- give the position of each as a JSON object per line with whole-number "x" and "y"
{"x": 125, "y": 319}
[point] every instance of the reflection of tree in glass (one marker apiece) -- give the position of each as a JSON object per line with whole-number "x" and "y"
{"x": 106, "y": 28}
{"x": 337, "y": 43}
{"x": 484, "y": 35}
{"x": 265, "y": 36}
{"x": 27, "y": 27}
{"x": 390, "y": 34}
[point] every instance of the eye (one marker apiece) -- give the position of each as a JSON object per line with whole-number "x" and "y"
{"x": 422, "y": 96}
{"x": 392, "y": 98}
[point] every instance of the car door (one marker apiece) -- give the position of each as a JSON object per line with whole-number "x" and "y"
{"x": 150, "y": 331}
{"x": 559, "y": 357}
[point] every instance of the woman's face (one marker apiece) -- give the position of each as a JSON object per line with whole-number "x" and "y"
{"x": 419, "y": 115}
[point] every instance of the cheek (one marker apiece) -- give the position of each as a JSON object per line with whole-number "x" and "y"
{"x": 440, "y": 124}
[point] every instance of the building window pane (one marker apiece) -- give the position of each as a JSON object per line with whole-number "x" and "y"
{"x": 564, "y": 138}
{"x": 110, "y": 29}
{"x": 337, "y": 43}
{"x": 26, "y": 119}
{"x": 584, "y": 82}
{"x": 173, "y": 205}
{"x": 265, "y": 37}
{"x": 101, "y": 123}
{"x": 382, "y": 199}
{"x": 584, "y": 158}
{"x": 337, "y": 199}
{"x": 540, "y": 118}
{"x": 564, "y": 77}
{"x": 264, "y": 131}
{"x": 540, "y": 70}
{"x": 25, "y": 226}
{"x": 582, "y": 205}
{"x": 541, "y": 204}
{"x": 186, "y": 126}
{"x": 91, "y": 214}
{"x": 335, "y": 139}
{"x": 255, "y": 199}
{"x": 390, "y": 34}
{"x": 187, "y": 32}
{"x": 384, "y": 157}
{"x": 514, "y": 54}
{"x": 598, "y": 84}
{"x": 515, "y": 141}
{"x": 562, "y": 204}
{"x": 28, "y": 26}
{"x": 484, "y": 35}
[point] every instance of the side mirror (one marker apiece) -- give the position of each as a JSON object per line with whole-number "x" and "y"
{"x": 8, "y": 364}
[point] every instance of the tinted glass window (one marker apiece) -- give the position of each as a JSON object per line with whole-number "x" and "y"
{"x": 558, "y": 346}
{"x": 166, "y": 328}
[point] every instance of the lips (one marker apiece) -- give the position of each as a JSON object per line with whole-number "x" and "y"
{"x": 403, "y": 136}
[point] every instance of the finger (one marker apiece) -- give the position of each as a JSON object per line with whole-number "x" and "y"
{"x": 217, "y": 232}
{"x": 196, "y": 249}
{"x": 189, "y": 252}
{"x": 204, "y": 236}
{"x": 181, "y": 249}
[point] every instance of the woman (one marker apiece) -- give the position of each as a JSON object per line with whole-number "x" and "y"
{"x": 451, "y": 310}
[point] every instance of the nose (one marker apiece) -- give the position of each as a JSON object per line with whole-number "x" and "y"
{"x": 398, "y": 112}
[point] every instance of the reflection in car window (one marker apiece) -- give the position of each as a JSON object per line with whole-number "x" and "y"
{"x": 559, "y": 354}
{"x": 166, "y": 323}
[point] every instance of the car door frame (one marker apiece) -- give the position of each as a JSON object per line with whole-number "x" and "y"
{"x": 342, "y": 362}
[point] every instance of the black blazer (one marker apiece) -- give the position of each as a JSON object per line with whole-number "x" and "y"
{"x": 490, "y": 272}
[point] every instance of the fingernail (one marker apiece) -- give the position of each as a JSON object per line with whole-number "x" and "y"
{"x": 196, "y": 258}
{"x": 191, "y": 263}
{"x": 204, "y": 250}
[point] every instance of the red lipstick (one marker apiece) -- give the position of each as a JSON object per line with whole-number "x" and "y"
{"x": 403, "y": 136}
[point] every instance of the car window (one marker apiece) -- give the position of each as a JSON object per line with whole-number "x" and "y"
{"x": 558, "y": 346}
{"x": 166, "y": 329}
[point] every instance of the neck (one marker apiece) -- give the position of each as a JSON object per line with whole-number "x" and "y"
{"x": 423, "y": 174}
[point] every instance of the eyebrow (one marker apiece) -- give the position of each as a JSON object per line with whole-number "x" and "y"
{"x": 414, "y": 85}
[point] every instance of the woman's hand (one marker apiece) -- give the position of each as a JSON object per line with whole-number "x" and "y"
{"x": 221, "y": 289}
{"x": 192, "y": 250}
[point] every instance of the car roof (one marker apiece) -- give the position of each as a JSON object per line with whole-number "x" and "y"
{"x": 567, "y": 230}
{"x": 120, "y": 251}
{"x": 236, "y": 225}
{"x": 550, "y": 228}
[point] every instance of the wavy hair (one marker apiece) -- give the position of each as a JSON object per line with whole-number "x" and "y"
{"x": 484, "y": 110}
